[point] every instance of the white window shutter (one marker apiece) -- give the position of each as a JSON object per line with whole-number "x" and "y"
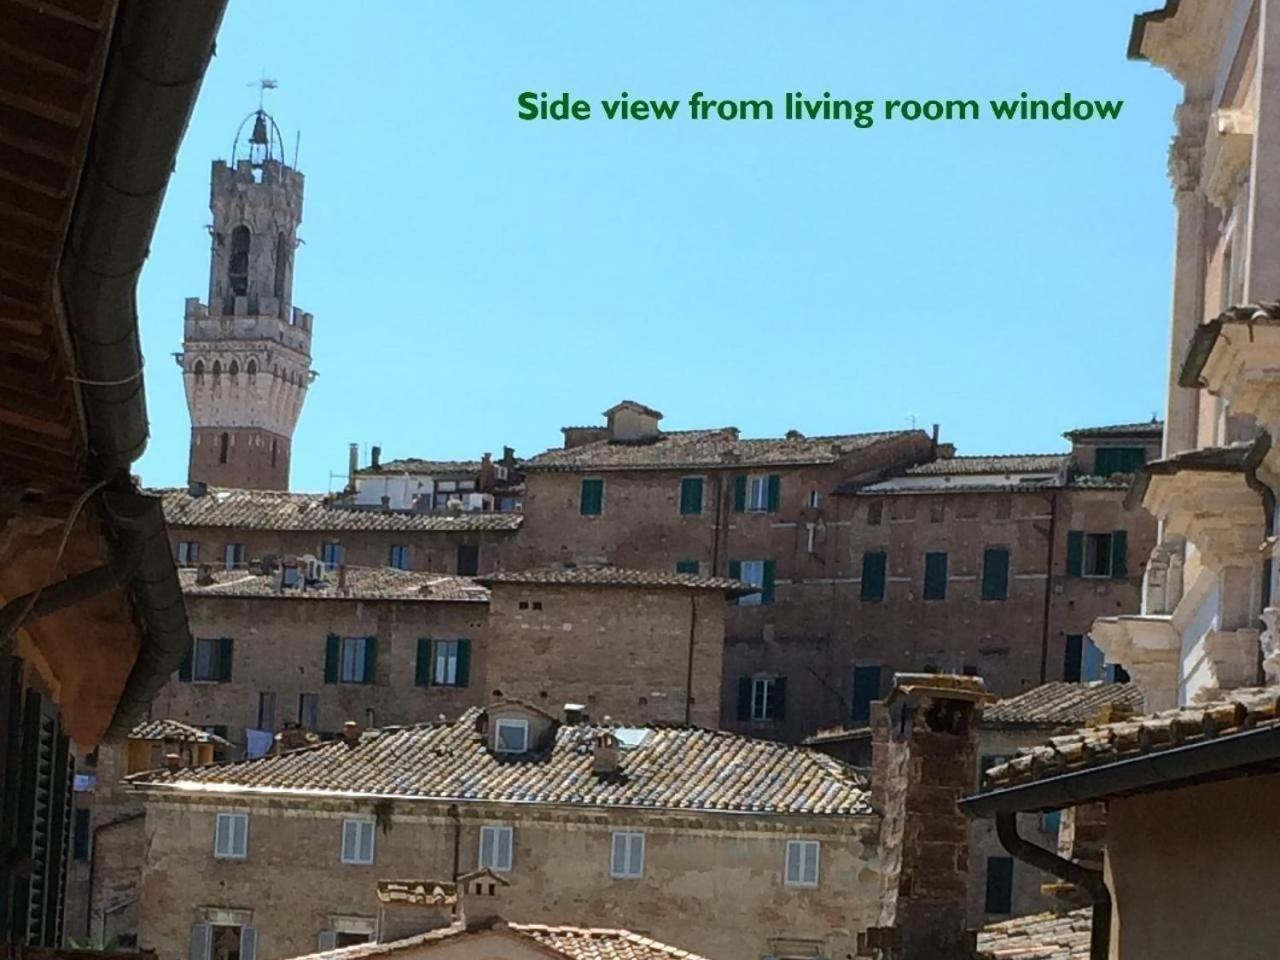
{"x": 248, "y": 943}
{"x": 793, "y": 862}
{"x": 327, "y": 940}
{"x": 486, "y": 847}
{"x": 619, "y": 865}
{"x": 220, "y": 835}
{"x": 240, "y": 835}
{"x": 349, "y": 840}
{"x": 504, "y": 848}
{"x": 635, "y": 861}
{"x": 366, "y": 845}
{"x": 811, "y": 874}
{"x": 200, "y": 937}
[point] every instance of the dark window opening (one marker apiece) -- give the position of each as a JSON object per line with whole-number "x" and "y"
{"x": 468, "y": 559}
{"x": 995, "y": 573}
{"x": 238, "y": 269}
{"x": 875, "y": 511}
{"x": 80, "y": 837}
{"x": 282, "y": 264}
{"x": 866, "y": 688}
{"x": 874, "y": 569}
{"x": 224, "y": 445}
{"x": 999, "y": 885}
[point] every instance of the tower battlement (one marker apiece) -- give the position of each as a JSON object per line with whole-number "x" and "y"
{"x": 246, "y": 353}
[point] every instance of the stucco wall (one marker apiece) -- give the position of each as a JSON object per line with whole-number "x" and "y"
{"x": 712, "y": 884}
{"x": 1192, "y": 872}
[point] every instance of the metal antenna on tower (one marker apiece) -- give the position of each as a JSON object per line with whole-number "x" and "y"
{"x": 263, "y": 83}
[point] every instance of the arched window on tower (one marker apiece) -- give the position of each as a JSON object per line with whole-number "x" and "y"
{"x": 238, "y": 270}
{"x": 251, "y": 368}
{"x": 234, "y": 370}
{"x": 282, "y": 264}
{"x": 224, "y": 443}
{"x": 198, "y": 370}
{"x": 217, "y": 370}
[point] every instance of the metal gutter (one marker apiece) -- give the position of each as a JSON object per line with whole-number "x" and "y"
{"x": 1161, "y": 769}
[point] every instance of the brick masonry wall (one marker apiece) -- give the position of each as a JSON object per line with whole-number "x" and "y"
{"x": 711, "y": 884}
{"x": 621, "y": 651}
{"x": 249, "y": 462}
{"x": 279, "y": 646}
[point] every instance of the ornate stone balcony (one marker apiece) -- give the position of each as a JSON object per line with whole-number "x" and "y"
{"x": 1237, "y": 357}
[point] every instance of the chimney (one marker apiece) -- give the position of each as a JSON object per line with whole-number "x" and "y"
{"x": 342, "y": 578}
{"x": 574, "y": 713}
{"x": 375, "y": 457}
{"x": 197, "y": 489}
{"x": 386, "y": 502}
{"x": 353, "y": 464}
{"x": 484, "y": 483}
{"x": 933, "y": 443}
{"x": 172, "y": 762}
{"x": 924, "y": 759}
{"x": 606, "y": 753}
{"x": 508, "y": 457}
{"x": 454, "y": 507}
{"x": 408, "y": 908}
{"x": 204, "y": 575}
{"x": 481, "y": 894}
{"x": 351, "y": 733}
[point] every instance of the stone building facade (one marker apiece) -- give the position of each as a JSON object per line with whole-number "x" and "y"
{"x": 729, "y": 846}
{"x": 246, "y": 354}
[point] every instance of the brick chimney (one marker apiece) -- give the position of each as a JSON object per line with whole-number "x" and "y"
{"x": 353, "y": 464}
{"x": 606, "y": 753}
{"x": 924, "y": 759}
{"x": 484, "y": 482}
{"x": 481, "y": 897}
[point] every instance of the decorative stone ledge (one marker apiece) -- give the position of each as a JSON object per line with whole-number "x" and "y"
{"x": 1236, "y": 357}
{"x": 1149, "y": 648}
{"x": 1227, "y": 155}
{"x": 1231, "y": 658}
{"x": 1269, "y": 640}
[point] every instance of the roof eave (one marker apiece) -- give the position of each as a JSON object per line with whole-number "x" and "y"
{"x": 1137, "y": 33}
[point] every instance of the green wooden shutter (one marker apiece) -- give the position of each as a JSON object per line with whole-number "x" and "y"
{"x": 691, "y": 495}
{"x": 874, "y": 564}
{"x": 766, "y": 589}
{"x": 744, "y": 699}
{"x": 775, "y": 492}
{"x": 332, "y": 651}
{"x": 735, "y": 569}
{"x": 740, "y": 493}
{"x": 184, "y": 669}
{"x": 591, "y": 502}
{"x": 464, "y": 662}
{"x": 422, "y": 668}
{"x": 780, "y": 698}
{"x": 935, "y": 576}
{"x": 999, "y": 885}
{"x": 1119, "y": 553}
{"x": 995, "y": 573}
{"x": 225, "y": 649}
{"x": 1073, "y": 657}
{"x": 1075, "y": 553}
{"x": 687, "y": 566}
{"x": 370, "y": 660}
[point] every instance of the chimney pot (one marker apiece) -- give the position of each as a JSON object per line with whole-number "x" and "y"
{"x": 342, "y": 578}
{"x": 197, "y": 489}
{"x": 574, "y": 713}
{"x": 386, "y": 502}
{"x": 606, "y": 754}
{"x": 376, "y": 456}
{"x": 353, "y": 465}
{"x": 351, "y": 733}
{"x": 204, "y": 575}
{"x": 173, "y": 762}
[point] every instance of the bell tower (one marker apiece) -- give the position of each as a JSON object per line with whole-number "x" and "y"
{"x": 246, "y": 355}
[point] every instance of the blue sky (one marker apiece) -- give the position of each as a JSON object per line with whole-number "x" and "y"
{"x": 478, "y": 280}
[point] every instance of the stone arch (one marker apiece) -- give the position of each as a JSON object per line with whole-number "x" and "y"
{"x": 198, "y": 369}
{"x": 233, "y": 370}
{"x": 217, "y": 370}
{"x": 251, "y": 368}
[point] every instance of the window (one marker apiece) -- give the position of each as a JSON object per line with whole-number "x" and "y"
{"x": 874, "y": 569}
{"x": 802, "y": 863}
{"x": 399, "y": 558}
{"x": 234, "y": 556}
{"x": 208, "y": 661}
{"x": 231, "y": 836}
{"x": 357, "y": 841}
{"x": 511, "y": 736}
{"x": 350, "y": 659}
{"x": 266, "y": 710}
{"x": 760, "y": 494}
{"x": 757, "y": 573}
{"x": 1084, "y": 661}
{"x": 468, "y": 559}
{"x": 275, "y": 449}
{"x": 591, "y": 499}
{"x": 223, "y": 941}
{"x": 762, "y": 698}
{"x": 81, "y": 835}
{"x": 626, "y": 860}
{"x": 238, "y": 265}
{"x": 875, "y": 512}
{"x": 866, "y": 688}
{"x": 935, "y": 576}
{"x": 443, "y": 663}
{"x": 1051, "y": 822}
{"x": 309, "y": 711}
{"x": 995, "y": 573}
{"x": 282, "y": 265}
{"x": 999, "y": 885}
{"x": 1097, "y": 554}
{"x": 188, "y": 553}
{"x": 1111, "y": 460}
{"x": 691, "y": 495}
{"x": 815, "y": 499}
{"x": 495, "y": 848}
{"x": 224, "y": 440}
{"x": 937, "y": 512}
{"x": 687, "y": 566}
{"x": 331, "y": 553}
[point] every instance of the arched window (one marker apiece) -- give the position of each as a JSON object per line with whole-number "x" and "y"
{"x": 238, "y": 269}
{"x": 198, "y": 369}
{"x": 217, "y": 370}
{"x": 224, "y": 443}
{"x": 273, "y": 453}
{"x": 282, "y": 264}
{"x": 234, "y": 369}
{"x": 251, "y": 368}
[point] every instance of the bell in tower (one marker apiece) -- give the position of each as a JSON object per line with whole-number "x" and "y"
{"x": 246, "y": 356}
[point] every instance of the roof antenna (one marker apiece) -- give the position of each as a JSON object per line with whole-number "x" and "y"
{"x": 263, "y": 83}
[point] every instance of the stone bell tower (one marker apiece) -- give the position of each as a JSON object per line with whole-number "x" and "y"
{"x": 246, "y": 355}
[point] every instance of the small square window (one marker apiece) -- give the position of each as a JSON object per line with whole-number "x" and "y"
{"x": 1097, "y": 555}
{"x": 875, "y": 512}
{"x": 231, "y": 836}
{"x": 399, "y": 558}
{"x": 537, "y": 604}
{"x": 188, "y": 553}
{"x": 764, "y": 698}
{"x": 235, "y": 556}
{"x": 758, "y": 494}
{"x": 752, "y": 572}
{"x": 524, "y": 604}
{"x": 626, "y": 860}
{"x": 353, "y": 663}
{"x": 211, "y": 660}
{"x": 802, "y": 863}
{"x": 357, "y": 841}
{"x": 495, "y": 848}
{"x": 511, "y": 736}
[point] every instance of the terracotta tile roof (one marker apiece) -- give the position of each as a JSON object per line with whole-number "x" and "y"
{"x": 1151, "y": 429}
{"x": 1061, "y": 704}
{"x": 174, "y": 730}
{"x": 1242, "y": 710}
{"x": 995, "y": 464}
{"x": 1042, "y": 936}
{"x": 673, "y": 767}
{"x": 312, "y": 512}
{"x": 618, "y": 577}
{"x": 415, "y": 465}
{"x": 702, "y": 449}
{"x": 363, "y": 583}
{"x": 572, "y": 943}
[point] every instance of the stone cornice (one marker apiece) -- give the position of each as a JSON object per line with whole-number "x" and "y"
{"x": 1149, "y": 648}
{"x": 1215, "y": 510}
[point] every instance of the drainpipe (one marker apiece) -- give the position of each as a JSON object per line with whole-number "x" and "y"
{"x": 1252, "y": 462}
{"x": 457, "y": 838}
{"x": 1048, "y": 586}
{"x": 688, "y": 681}
{"x": 1088, "y": 880}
